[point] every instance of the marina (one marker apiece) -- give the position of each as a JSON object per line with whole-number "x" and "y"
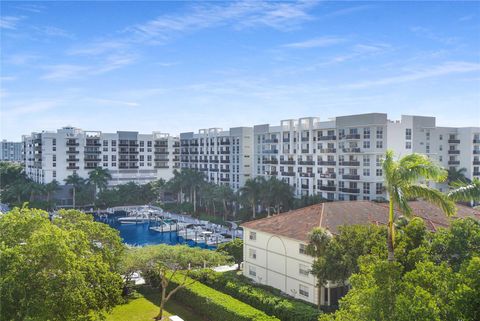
{"x": 148, "y": 225}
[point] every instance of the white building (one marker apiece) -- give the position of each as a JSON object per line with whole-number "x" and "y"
{"x": 275, "y": 247}
{"x": 129, "y": 156}
{"x": 224, "y": 156}
{"x": 11, "y": 151}
{"x": 340, "y": 159}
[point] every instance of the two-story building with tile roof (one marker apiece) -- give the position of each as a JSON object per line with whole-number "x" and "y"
{"x": 275, "y": 247}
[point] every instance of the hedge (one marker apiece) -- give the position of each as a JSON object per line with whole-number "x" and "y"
{"x": 217, "y": 305}
{"x": 273, "y": 304}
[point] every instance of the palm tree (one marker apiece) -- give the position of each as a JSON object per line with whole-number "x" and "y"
{"x": 456, "y": 175}
{"x": 157, "y": 187}
{"x": 318, "y": 241}
{"x": 99, "y": 177}
{"x": 76, "y": 182}
{"x": 34, "y": 188}
{"x": 195, "y": 180}
{"x": 401, "y": 182}
{"x": 250, "y": 193}
{"x": 224, "y": 194}
{"x": 282, "y": 194}
{"x": 467, "y": 192}
{"x": 51, "y": 188}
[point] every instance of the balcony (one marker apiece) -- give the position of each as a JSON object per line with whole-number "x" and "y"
{"x": 328, "y": 175}
{"x": 327, "y": 163}
{"x": 311, "y": 162}
{"x": 161, "y": 152}
{"x": 214, "y": 161}
{"x": 351, "y": 177}
{"x": 225, "y": 170}
{"x": 305, "y": 139}
{"x": 271, "y": 141}
{"x": 273, "y": 173}
{"x": 224, "y": 179}
{"x": 93, "y": 144}
{"x": 288, "y": 173}
{"x": 161, "y": 166}
{"x": 161, "y": 144}
{"x": 160, "y": 159}
{"x": 203, "y": 169}
{"x": 287, "y": 162}
{"x": 453, "y": 152}
{"x": 454, "y": 141}
{"x": 327, "y": 188}
{"x": 349, "y": 163}
{"x": 305, "y": 151}
{"x": 92, "y": 152}
{"x": 476, "y": 151}
{"x": 476, "y": 141}
{"x": 270, "y": 161}
{"x": 176, "y": 144}
{"x": 226, "y": 142}
{"x": 225, "y": 161}
{"x": 351, "y": 150}
{"x": 349, "y": 190}
{"x": 72, "y": 159}
{"x": 476, "y": 173}
{"x": 476, "y": 162}
{"x": 72, "y": 144}
{"x": 90, "y": 166}
{"x": 72, "y": 151}
{"x": 213, "y": 169}
{"x": 271, "y": 151}
{"x": 328, "y": 150}
{"x": 304, "y": 186}
{"x": 93, "y": 159}
{"x": 73, "y": 167}
{"x": 194, "y": 144}
{"x": 353, "y": 136}
{"x": 307, "y": 174}
{"x": 224, "y": 152}
{"x": 328, "y": 137}
{"x": 286, "y": 140}
{"x": 453, "y": 162}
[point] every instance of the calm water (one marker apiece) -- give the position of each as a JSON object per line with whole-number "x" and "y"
{"x": 140, "y": 234}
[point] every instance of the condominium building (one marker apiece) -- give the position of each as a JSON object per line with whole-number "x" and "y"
{"x": 11, "y": 151}
{"x": 275, "y": 248}
{"x": 224, "y": 156}
{"x": 129, "y": 156}
{"x": 340, "y": 159}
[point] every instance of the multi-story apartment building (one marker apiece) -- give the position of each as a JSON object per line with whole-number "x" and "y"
{"x": 341, "y": 159}
{"x": 11, "y": 151}
{"x": 224, "y": 156}
{"x": 129, "y": 156}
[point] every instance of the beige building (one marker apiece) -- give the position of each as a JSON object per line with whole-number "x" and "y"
{"x": 275, "y": 247}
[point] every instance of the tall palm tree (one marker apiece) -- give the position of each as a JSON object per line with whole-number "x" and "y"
{"x": 76, "y": 182}
{"x": 250, "y": 193}
{"x": 467, "y": 192}
{"x": 401, "y": 180}
{"x": 157, "y": 187}
{"x": 195, "y": 179}
{"x": 456, "y": 175}
{"x": 99, "y": 177}
{"x": 33, "y": 189}
{"x": 224, "y": 194}
{"x": 51, "y": 188}
{"x": 282, "y": 194}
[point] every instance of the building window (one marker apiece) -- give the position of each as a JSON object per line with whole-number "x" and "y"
{"x": 408, "y": 145}
{"x": 303, "y": 270}
{"x": 253, "y": 236}
{"x": 366, "y": 188}
{"x": 303, "y": 290}
{"x": 366, "y": 160}
{"x": 54, "y": 173}
{"x": 379, "y": 172}
{"x": 105, "y": 158}
{"x": 378, "y": 160}
{"x": 408, "y": 134}
{"x": 114, "y": 143}
{"x": 105, "y": 164}
{"x": 366, "y": 133}
{"x": 379, "y": 133}
{"x": 302, "y": 249}
{"x": 379, "y": 188}
{"x": 142, "y": 143}
{"x": 379, "y": 144}
{"x": 366, "y": 144}
{"x": 114, "y": 158}
{"x": 252, "y": 271}
{"x": 105, "y": 142}
{"x": 366, "y": 172}
{"x": 252, "y": 253}
{"x": 149, "y": 143}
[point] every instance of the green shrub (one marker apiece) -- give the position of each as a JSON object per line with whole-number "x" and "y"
{"x": 217, "y": 305}
{"x": 270, "y": 301}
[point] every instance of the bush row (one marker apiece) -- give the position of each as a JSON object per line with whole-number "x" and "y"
{"x": 273, "y": 304}
{"x": 217, "y": 305}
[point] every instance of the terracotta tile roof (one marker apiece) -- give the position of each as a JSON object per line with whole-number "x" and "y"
{"x": 298, "y": 223}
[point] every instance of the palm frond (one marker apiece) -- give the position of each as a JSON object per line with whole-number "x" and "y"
{"x": 433, "y": 196}
{"x": 466, "y": 192}
{"x": 416, "y": 166}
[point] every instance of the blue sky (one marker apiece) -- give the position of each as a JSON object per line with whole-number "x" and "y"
{"x": 179, "y": 66}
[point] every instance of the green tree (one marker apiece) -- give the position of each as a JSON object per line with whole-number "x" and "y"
{"x": 250, "y": 194}
{"x": 225, "y": 195}
{"x": 159, "y": 264}
{"x": 466, "y": 191}
{"x": 76, "y": 182}
{"x": 51, "y": 188}
{"x": 455, "y": 175}
{"x": 401, "y": 183}
{"x": 99, "y": 177}
{"x": 233, "y": 248}
{"x": 57, "y": 270}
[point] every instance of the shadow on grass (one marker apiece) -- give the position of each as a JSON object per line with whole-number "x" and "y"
{"x": 174, "y": 307}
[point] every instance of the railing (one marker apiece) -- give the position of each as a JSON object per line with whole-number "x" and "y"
{"x": 72, "y": 159}
{"x": 270, "y": 161}
{"x": 476, "y": 162}
{"x": 349, "y": 163}
{"x": 351, "y": 150}
{"x": 327, "y": 188}
{"x": 453, "y": 152}
{"x": 73, "y": 167}
{"x": 353, "y": 136}
{"x": 288, "y": 173}
{"x": 270, "y": 141}
{"x": 454, "y": 141}
{"x": 476, "y": 141}
{"x": 453, "y": 162}
{"x": 476, "y": 151}
{"x": 304, "y": 186}
{"x": 351, "y": 177}
{"x": 328, "y": 137}
{"x": 349, "y": 190}
{"x": 72, "y": 144}
{"x": 328, "y": 150}
{"x": 305, "y": 151}
{"x": 287, "y": 162}
{"x": 306, "y": 162}
{"x": 328, "y": 175}
{"x": 72, "y": 151}
{"x": 307, "y": 174}
{"x": 328, "y": 163}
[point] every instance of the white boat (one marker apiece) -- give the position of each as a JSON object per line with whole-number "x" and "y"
{"x": 133, "y": 219}
{"x": 165, "y": 227}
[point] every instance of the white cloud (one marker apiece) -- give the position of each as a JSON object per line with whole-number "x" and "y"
{"x": 10, "y": 22}
{"x": 51, "y": 31}
{"x": 447, "y": 68}
{"x": 324, "y": 41}
{"x": 65, "y": 71}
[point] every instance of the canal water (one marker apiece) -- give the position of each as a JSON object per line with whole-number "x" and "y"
{"x": 140, "y": 234}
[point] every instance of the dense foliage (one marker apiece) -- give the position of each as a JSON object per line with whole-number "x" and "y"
{"x": 274, "y": 304}
{"x": 216, "y": 305}
{"x": 436, "y": 276}
{"x": 59, "y": 269}
{"x": 234, "y": 249}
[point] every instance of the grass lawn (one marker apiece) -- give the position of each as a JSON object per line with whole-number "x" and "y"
{"x": 146, "y": 308}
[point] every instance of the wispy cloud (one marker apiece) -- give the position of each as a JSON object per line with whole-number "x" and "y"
{"x": 346, "y": 11}
{"x": 114, "y": 102}
{"x": 324, "y": 41}
{"x": 65, "y": 71}
{"x": 51, "y": 31}
{"x": 429, "y": 34}
{"x": 30, "y": 7}
{"x": 10, "y": 22}
{"x": 445, "y": 69}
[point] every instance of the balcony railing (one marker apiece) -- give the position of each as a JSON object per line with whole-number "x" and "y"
{"x": 349, "y": 190}
{"x": 327, "y": 188}
{"x": 351, "y": 150}
{"x": 73, "y": 167}
{"x": 72, "y": 151}
{"x": 353, "y": 136}
{"x": 310, "y": 162}
{"x": 328, "y": 175}
{"x": 349, "y": 163}
{"x": 351, "y": 177}
{"x": 307, "y": 174}
{"x": 453, "y": 162}
{"x": 328, "y": 137}
{"x": 95, "y": 159}
{"x": 72, "y": 144}
{"x": 454, "y": 141}
{"x": 453, "y": 152}
{"x": 305, "y": 139}
{"x": 476, "y": 173}
{"x": 225, "y": 170}
{"x": 161, "y": 166}
{"x": 305, "y": 151}
{"x": 286, "y": 140}
{"x": 224, "y": 152}
{"x": 287, "y": 162}
{"x": 270, "y": 161}
{"x": 273, "y": 173}
{"x": 288, "y": 173}
{"x": 327, "y": 163}
{"x": 271, "y": 151}
{"x": 476, "y": 151}
{"x": 270, "y": 141}
{"x": 160, "y": 159}
{"x": 476, "y": 162}
{"x": 72, "y": 159}
{"x": 304, "y": 186}
{"x": 328, "y": 150}
{"x": 476, "y": 141}
{"x": 224, "y": 179}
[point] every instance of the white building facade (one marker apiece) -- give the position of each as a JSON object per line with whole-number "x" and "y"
{"x": 11, "y": 151}
{"x": 129, "y": 156}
